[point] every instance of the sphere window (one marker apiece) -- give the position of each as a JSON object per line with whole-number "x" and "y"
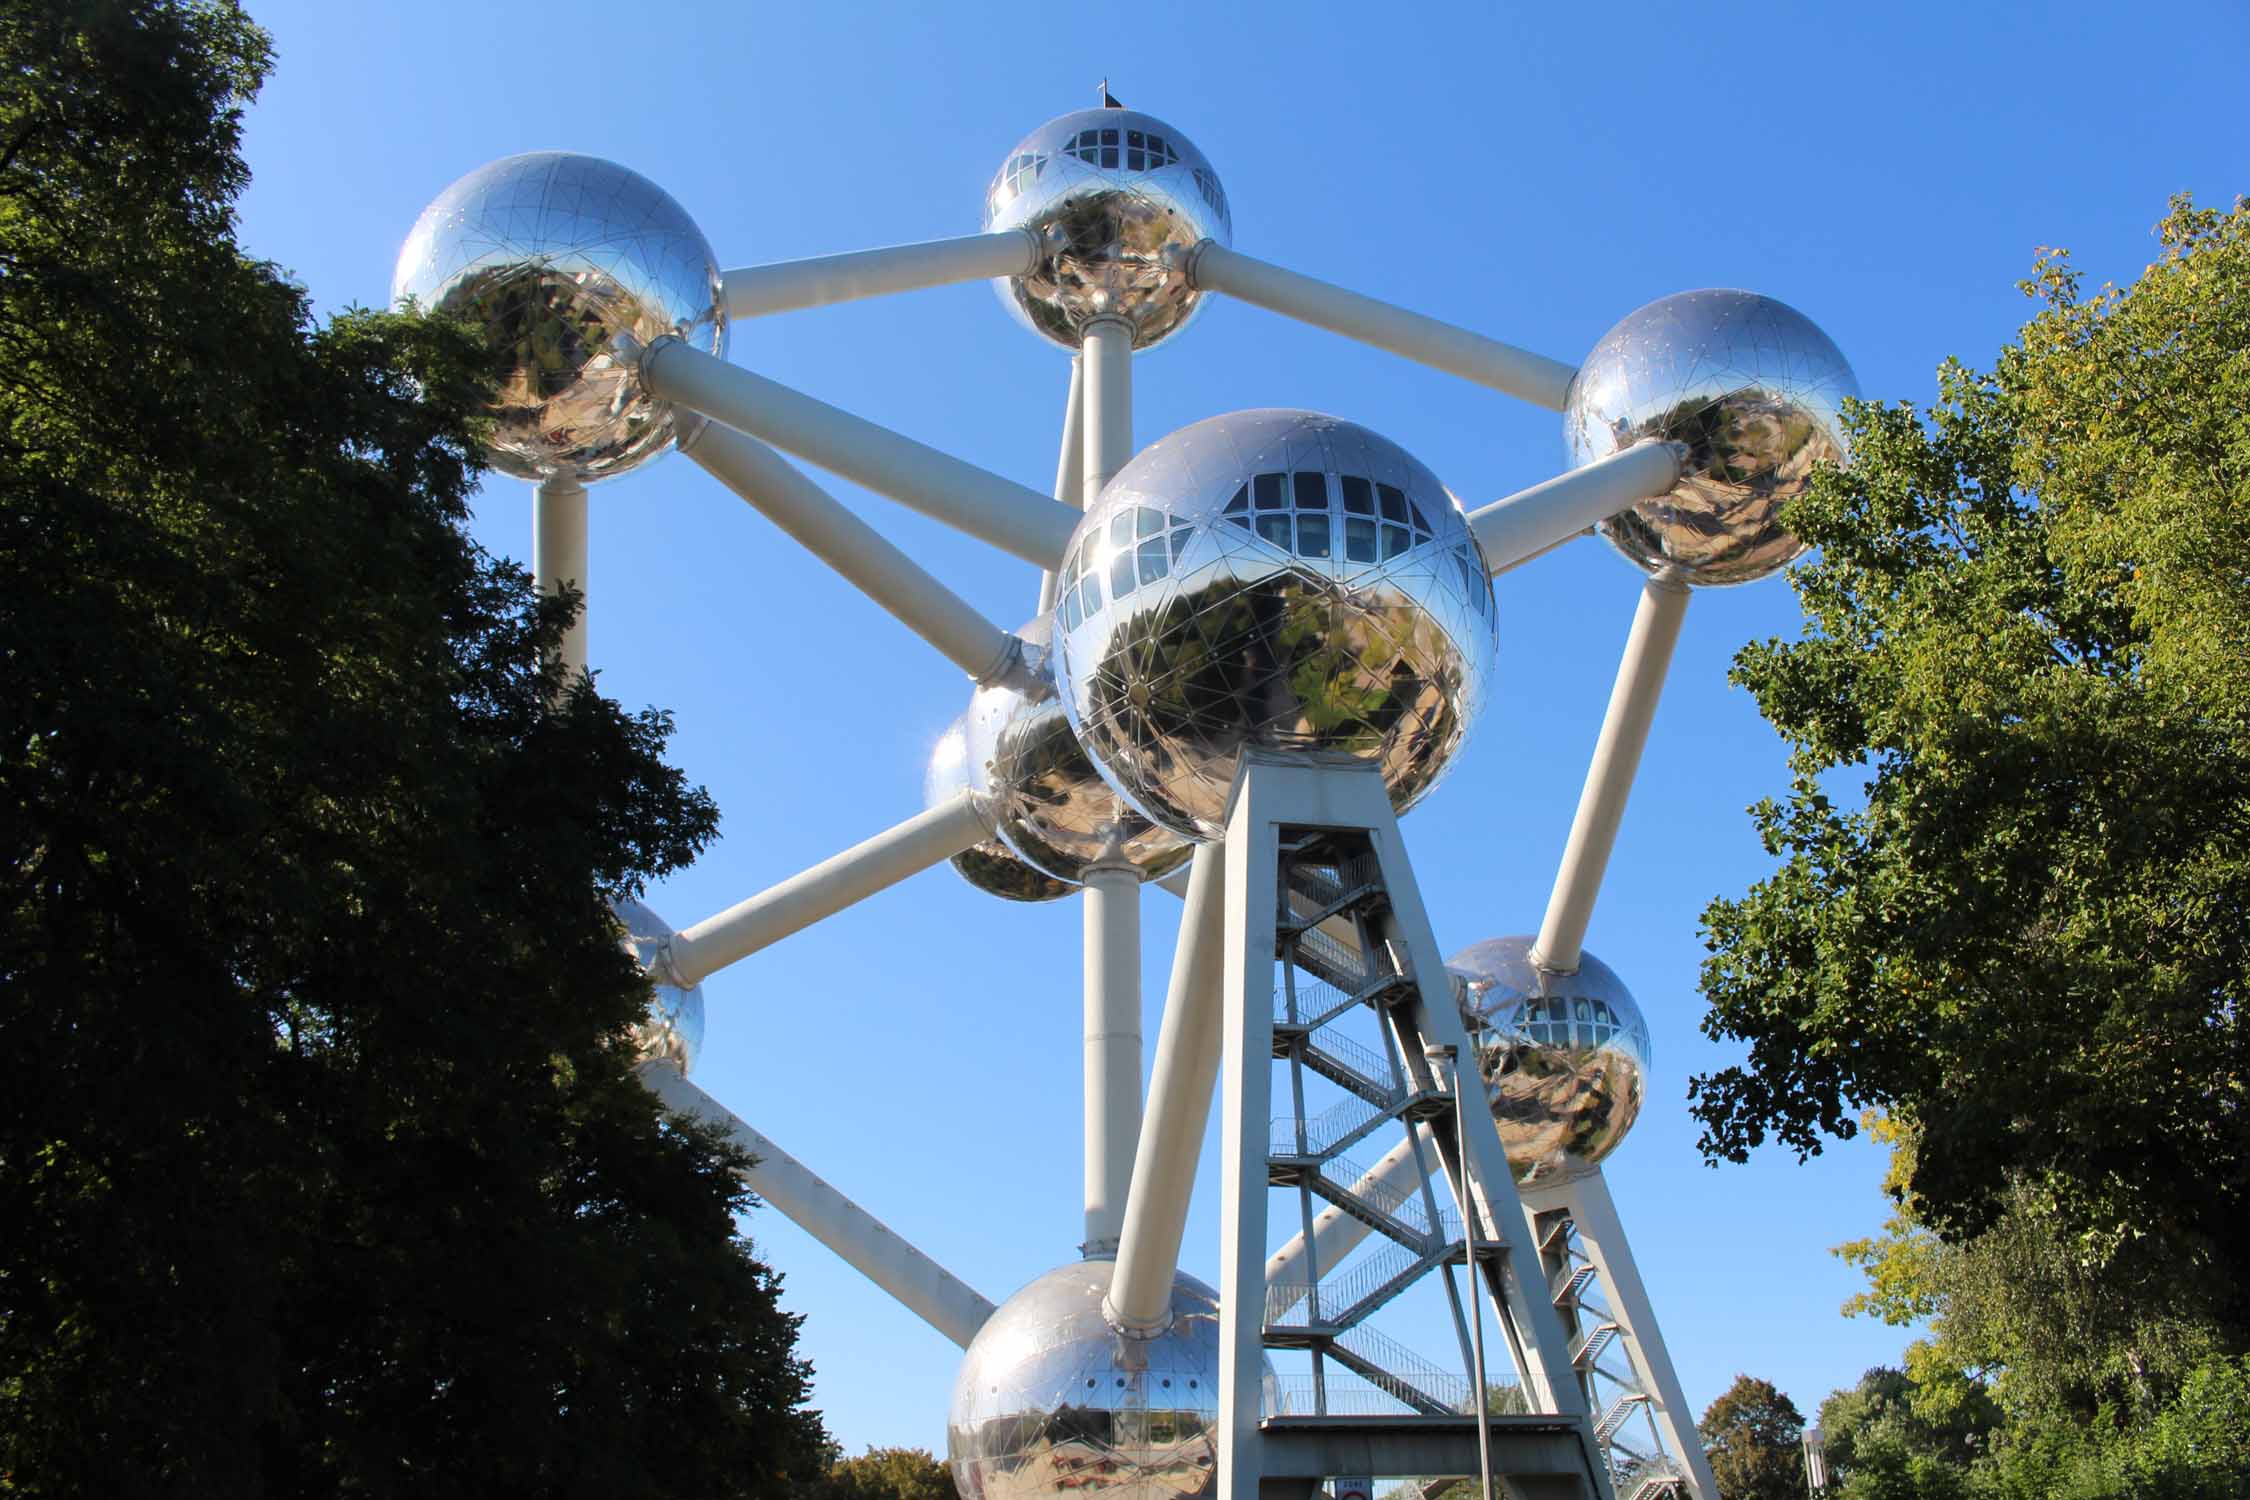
{"x": 1121, "y": 574}
{"x": 1359, "y": 540}
{"x": 1275, "y": 529}
{"x": 1311, "y": 489}
{"x": 1090, "y": 592}
{"x": 1267, "y": 492}
{"x": 1312, "y": 536}
{"x": 1213, "y": 194}
{"x": 1394, "y": 502}
{"x": 1154, "y": 563}
{"x": 1121, "y": 528}
{"x": 1147, "y": 522}
{"x": 1396, "y": 539}
{"x": 1359, "y": 496}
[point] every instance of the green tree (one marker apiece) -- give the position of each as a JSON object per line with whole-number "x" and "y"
{"x": 1753, "y": 1436}
{"x": 322, "y": 1162}
{"x": 889, "y": 1474}
{"x": 2024, "y": 942}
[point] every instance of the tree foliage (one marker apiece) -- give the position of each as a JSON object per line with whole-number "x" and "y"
{"x": 1752, "y": 1435}
{"x": 2025, "y": 942}
{"x": 889, "y": 1474}
{"x": 322, "y": 1161}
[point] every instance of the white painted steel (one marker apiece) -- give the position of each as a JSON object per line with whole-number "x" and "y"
{"x": 772, "y": 485}
{"x": 1179, "y": 1107}
{"x": 1425, "y": 340}
{"x": 558, "y": 557}
{"x": 927, "y": 1289}
{"x": 1113, "y": 1050}
{"x": 1536, "y": 520}
{"x": 1070, "y": 463}
{"x": 1609, "y": 776}
{"x": 1013, "y": 517}
{"x": 1602, "y": 1236}
{"x": 1107, "y": 359}
{"x": 872, "y": 865}
{"x": 785, "y": 286}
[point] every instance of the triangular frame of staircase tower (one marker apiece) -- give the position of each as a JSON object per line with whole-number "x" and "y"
{"x": 1282, "y": 803}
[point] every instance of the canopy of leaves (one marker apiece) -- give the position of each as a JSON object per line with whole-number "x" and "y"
{"x": 888, "y": 1474}
{"x": 2026, "y": 943}
{"x": 1753, "y": 1436}
{"x": 322, "y": 1161}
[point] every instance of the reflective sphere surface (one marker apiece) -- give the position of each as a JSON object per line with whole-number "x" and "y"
{"x": 672, "y": 1030}
{"x": 1565, "y": 1057}
{"x": 1051, "y": 1403}
{"x": 1120, "y": 198}
{"x": 1040, "y": 793}
{"x": 553, "y": 255}
{"x": 990, "y": 866}
{"x": 1274, "y": 579}
{"x": 1751, "y": 389}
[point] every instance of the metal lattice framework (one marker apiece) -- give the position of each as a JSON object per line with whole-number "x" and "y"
{"x": 1257, "y": 642}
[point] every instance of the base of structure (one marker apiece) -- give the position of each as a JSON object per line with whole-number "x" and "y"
{"x": 1535, "y": 1457}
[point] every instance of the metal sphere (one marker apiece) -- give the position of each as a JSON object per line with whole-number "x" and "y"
{"x": 1753, "y": 392}
{"x": 990, "y": 866}
{"x": 1565, "y": 1057}
{"x": 553, "y": 255}
{"x": 1278, "y": 580}
{"x": 1043, "y": 797}
{"x": 672, "y": 1029}
{"x": 1052, "y": 1404}
{"x": 1120, "y": 199}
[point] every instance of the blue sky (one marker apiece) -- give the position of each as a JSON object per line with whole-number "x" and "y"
{"x": 1534, "y": 173}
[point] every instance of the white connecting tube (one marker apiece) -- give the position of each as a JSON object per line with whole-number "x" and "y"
{"x": 558, "y": 558}
{"x": 785, "y": 286}
{"x": 1070, "y": 464}
{"x": 1533, "y": 521}
{"x": 1336, "y": 1234}
{"x": 1609, "y": 776}
{"x": 859, "y": 552}
{"x": 1013, "y": 517}
{"x": 1112, "y": 915}
{"x": 695, "y": 953}
{"x": 1472, "y": 356}
{"x": 864, "y": 1242}
{"x": 1179, "y": 1107}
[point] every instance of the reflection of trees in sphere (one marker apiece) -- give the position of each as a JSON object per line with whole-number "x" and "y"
{"x": 1273, "y": 579}
{"x": 1051, "y": 1402}
{"x": 1043, "y": 797}
{"x": 1754, "y": 393}
{"x": 672, "y": 1030}
{"x": 553, "y": 255}
{"x": 1120, "y": 199}
{"x": 1565, "y": 1057}
{"x": 990, "y": 866}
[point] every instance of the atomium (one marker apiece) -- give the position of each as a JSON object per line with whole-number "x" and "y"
{"x": 1270, "y": 579}
{"x": 991, "y": 866}
{"x": 1120, "y": 200}
{"x": 1050, "y": 1400}
{"x": 1752, "y": 392}
{"x": 1039, "y": 793}
{"x": 553, "y": 255}
{"x": 672, "y": 1029}
{"x": 1565, "y": 1057}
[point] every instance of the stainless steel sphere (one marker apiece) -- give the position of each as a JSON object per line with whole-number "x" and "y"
{"x": 553, "y": 255}
{"x": 1051, "y": 1404}
{"x": 1751, "y": 390}
{"x": 990, "y": 866}
{"x": 1120, "y": 198}
{"x": 1565, "y": 1057}
{"x": 672, "y": 1030}
{"x": 1043, "y": 797}
{"x": 1274, "y": 579}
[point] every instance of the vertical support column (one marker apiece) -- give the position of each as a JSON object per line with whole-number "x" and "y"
{"x": 558, "y": 557}
{"x": 1113, "y": 1051}
{"x": 1609, "y": 776}
{"x": 1246, "y": 1110}
{"x": 1107, "y": 360}
{"x": 1603, "y": 1237}
{"x": 1070, "y": 464}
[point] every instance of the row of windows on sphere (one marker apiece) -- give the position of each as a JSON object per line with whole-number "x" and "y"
{"x": 1292, "y": 511}
{"x": 1028, "y": 166}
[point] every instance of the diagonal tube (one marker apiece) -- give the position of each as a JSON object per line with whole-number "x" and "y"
{"x": 1013, "y": 517}
{"x": 1536, "y": 520}
{"x": 1335, "y": 1234}
{"x": 1069, "y": 464}
{"x": 773, "y": 485}
{"x": 1609, "y": 776}
{"x": 1425, "y": 340}
{"x": 785, "y": 286}
{"x": 1179, "y": 1106}
{"x": 871, "y": 1247}
{"x": 695, "y": 953}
